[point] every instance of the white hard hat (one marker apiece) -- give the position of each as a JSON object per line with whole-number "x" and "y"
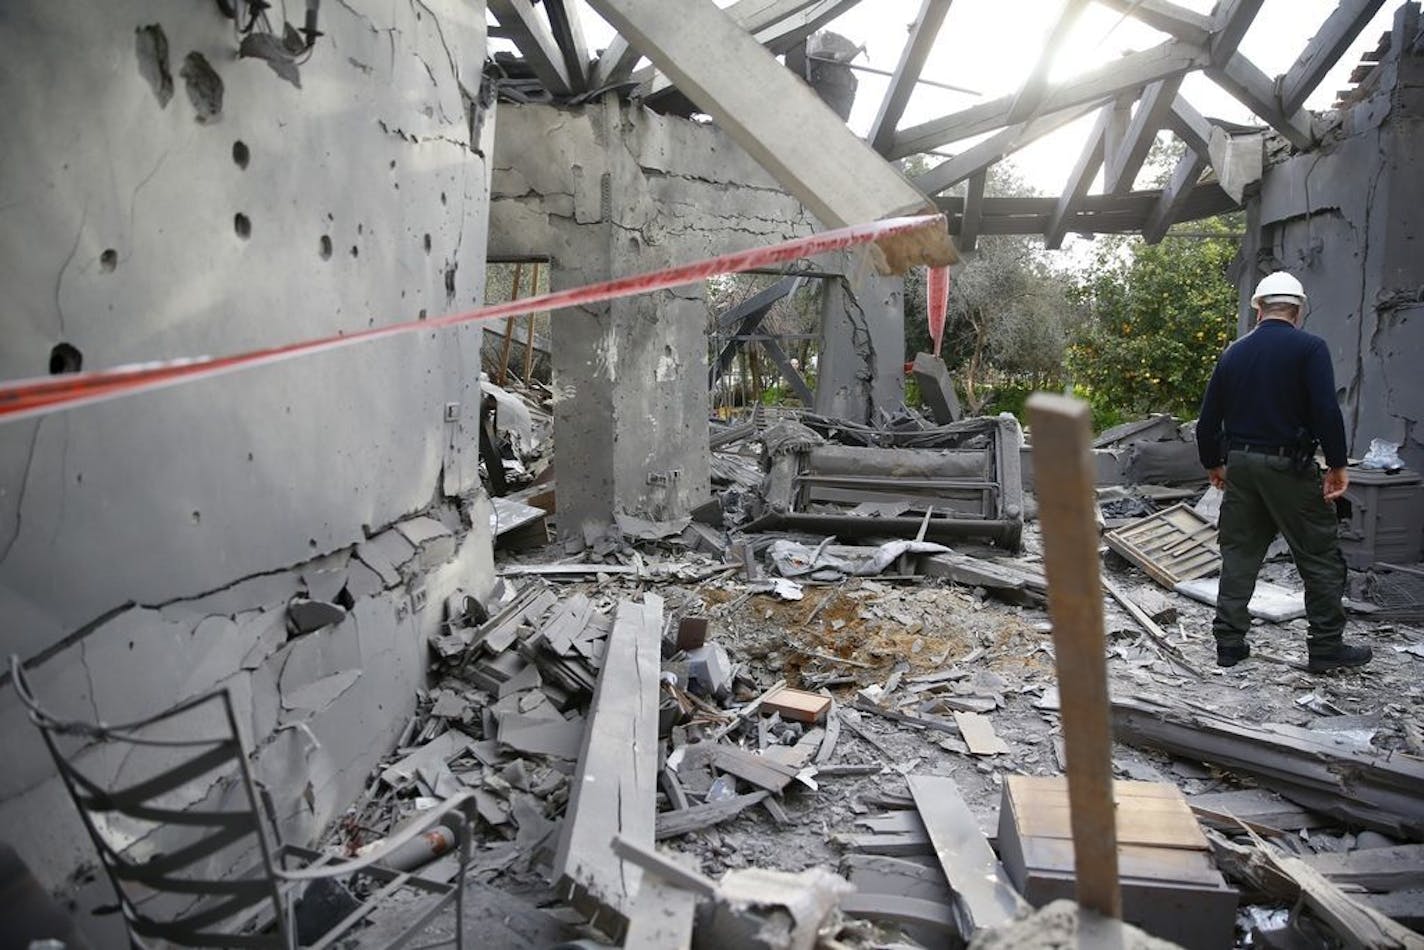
{"x": 1279, "y": 286}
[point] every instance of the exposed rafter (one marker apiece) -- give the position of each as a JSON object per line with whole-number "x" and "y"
{"x": 1030, "y": 94}
{"x": 973, "y": 210}
{"x": 1189, "y": 124}
{"x": 1186, "y": 25}
{"x": 1132, "y": 71}
{"x": 777, "y": 25}
{"x": 1122, "y": 166}
{"x": 1324, "y": 50}
{"x": 952, "y": 171}
{"x": 1257, "y": 92}
{"x": 615, "y": 64}
{"x": 1174, "y": 197}
{"x": 1084, "y": 172}
{"x": 531, "y": 34}
{"x": 1100, "y": 214}
{"x": 1229, "y": 23}
{"x": 567, "y": 28}
{"x": 907, "y": 73}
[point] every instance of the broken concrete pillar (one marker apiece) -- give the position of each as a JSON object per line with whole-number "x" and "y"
{"x": 861, "y": 368}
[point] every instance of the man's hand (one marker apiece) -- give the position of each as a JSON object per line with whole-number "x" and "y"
{"x": 1218, "y": 477}
{"x": 1335, "y": 482}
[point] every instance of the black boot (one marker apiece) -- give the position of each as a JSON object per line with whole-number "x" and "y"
{"x": 1229, "y": 654}
{"x": 1337, "y": 656}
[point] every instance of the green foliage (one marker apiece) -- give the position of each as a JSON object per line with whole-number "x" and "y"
{"x": 1159, "y": 316}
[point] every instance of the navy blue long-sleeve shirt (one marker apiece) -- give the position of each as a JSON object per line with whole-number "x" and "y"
{"x": 1273, "y": 387}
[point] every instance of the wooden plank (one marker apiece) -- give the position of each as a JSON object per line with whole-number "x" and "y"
{"x": 983, "y": 896}
{"x": 749, "y": 766}
{"x": 1065, "y": 476}
{"x": 774, "y": 116}
{"x": 1260, "y": 806}
{"x": 977, "y": 158}
{"x": 978, "y": 733}
{"x": 1171, "y": 18}
{"x": 1257, "y": 92}
{"x": 923, "y": 33}
{"x": 1374, "y": 869}
{"x": 1152, "y": 109}
{"x": 1229, "y": 23}
{"x": 1325, "y": 49}
{"x": 613, "y": 789}
{"x": 973, "y": 210}
{"x": 674, "y": 823}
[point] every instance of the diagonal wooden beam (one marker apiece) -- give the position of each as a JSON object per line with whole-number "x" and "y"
{"x": 1189, "y": 124}
{"x": 907, "y": 72}
{"x": 531, "y": 34}
{"x": 1174, "y": 196}
{"x": 567, "y": 28}
{"x": 952, "y": 171}
{"x": 1030, "y": 94}
{"x": 615, "y": 64}
{"x": 1081, "y": 179}
{"x": 1186, "y": 25}
{"x": 1255, "y": 90}
{"x": 973, "y": 210}
{"x": 1324, "y": 50}
{"x": 777, "y": 25}
{"x": 1132, "y": 71}
{"x": 1152, "y": 109}
{"x": 1229, "y": 23}
{"x": 774, "y": 116}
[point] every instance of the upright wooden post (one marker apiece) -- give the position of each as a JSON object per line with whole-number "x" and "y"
{"x": 529, "y": 336}
{"x": 1064, "y": 476}
{"x": 509, "y": 329}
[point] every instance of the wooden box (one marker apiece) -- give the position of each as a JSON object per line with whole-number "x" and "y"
{"x": 1170, "y": 885}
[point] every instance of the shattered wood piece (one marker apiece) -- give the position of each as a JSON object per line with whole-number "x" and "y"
{"x": 567, "y": 623}
{"x": 797, "y": 756}
{"x": 1174, "y": 545}
{"x": 1260, "y": 806}
{"x": 1403, "y": 907}
{"x": 745, "y": 711}
{"x": 664, "y": 867}
{"x": 1292, "y": 880}
{"x": 778, "y": 814}
{"x": 672, "y": 788}
{"x": 1374, "y": 869}
{"x": 1156, "y": 633}
{"x": 558, "y": 571}
{"x": 797, "y": 705}
{"x": 978, "y": 733}
{"x": 613, "y": 789}
{"x": 1359, "y": 786}
{"x": 833, "y": 733}
{"x": 983, "y": 896}
{"x": 891, "y": 843}
{"x": 843, "y": 771}
{"x": 909, "y": 911}
{"x": 928, "y": 722}
{"x": 1005, "y": 583}
{"x": 749, "y": 766}
{"x": 699, "y": 817}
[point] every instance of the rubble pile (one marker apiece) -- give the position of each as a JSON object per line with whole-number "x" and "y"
{"x": 742, "y": 732}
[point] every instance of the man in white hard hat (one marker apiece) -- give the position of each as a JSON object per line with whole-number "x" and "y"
{"x": 1270, "y": 402}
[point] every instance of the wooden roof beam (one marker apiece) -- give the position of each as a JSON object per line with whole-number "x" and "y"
{"x": 531, "y": 34}
{"x": 1123, "y": 165}
{"x": 1189, "y": 124}
{"x": 1081, "y": 179}
{"x": 1174, "y": 197}
{"x": 615, "y": 64}
{"x": 907, "y": 72}
{"x": 952, "y": 171}
{"x": 1030, "y": 94}
{"x": 567, "y": 29}
{"x": 1132, "y": 71}
{"x": 1257, "y": 92}
{"x": 1229, "y": 23}
{"x": 1324, "y": 50}
{"x": 1186, "y": 25}
{"x": 973, "y": 210}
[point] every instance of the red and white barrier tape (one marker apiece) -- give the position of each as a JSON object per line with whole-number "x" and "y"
{"x": 24, "y": 398}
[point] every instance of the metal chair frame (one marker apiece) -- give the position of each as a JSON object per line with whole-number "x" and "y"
{"x": 243, "y": 897}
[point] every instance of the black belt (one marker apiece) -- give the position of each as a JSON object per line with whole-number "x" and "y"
{"x": 1284, "y": 451}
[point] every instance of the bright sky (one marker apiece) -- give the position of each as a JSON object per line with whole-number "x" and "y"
{"x": 991, "y": 46}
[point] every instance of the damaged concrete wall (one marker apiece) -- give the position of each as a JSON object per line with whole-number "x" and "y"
{"x": 161, "y": 197}
{"x": 1348, "y": 219}
{"x": 610, "y": 190}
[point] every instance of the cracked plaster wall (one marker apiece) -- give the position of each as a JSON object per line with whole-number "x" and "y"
{"x": 611, "y": 190}
{"x": 1348, "y": 219}
{"x": 160, "y": 197}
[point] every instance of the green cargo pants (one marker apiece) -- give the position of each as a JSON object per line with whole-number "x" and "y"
{"x": 1266, "y": 494}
